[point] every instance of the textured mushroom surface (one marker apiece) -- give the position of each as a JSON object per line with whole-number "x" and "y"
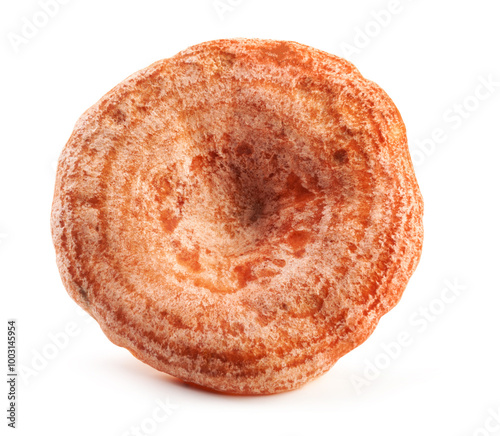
{"x": 240, "y": 215}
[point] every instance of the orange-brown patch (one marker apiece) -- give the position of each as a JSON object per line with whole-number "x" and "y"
{"x": 169, "y": 221}
{"x": 189, "y": 259}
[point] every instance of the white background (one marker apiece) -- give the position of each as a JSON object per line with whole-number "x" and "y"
{"x": 430, "y": 56}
